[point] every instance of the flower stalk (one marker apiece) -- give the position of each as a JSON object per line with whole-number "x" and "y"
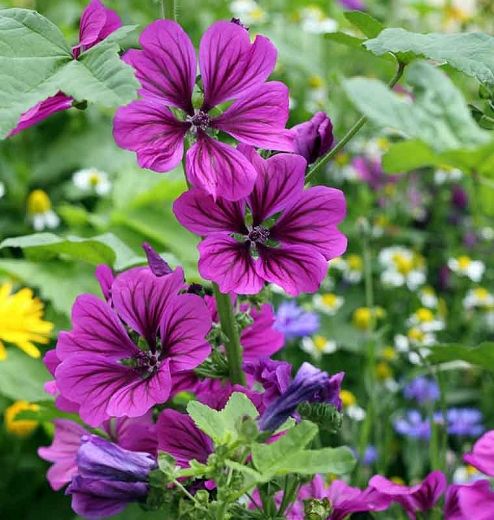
{"x": 169, "y": 9}
{"x": 230, "y": 330}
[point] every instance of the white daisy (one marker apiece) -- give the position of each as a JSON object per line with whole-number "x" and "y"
{"x": 92, "y": 180}
{"x": 465, "y": 266}
{"x": 40, "y": 212}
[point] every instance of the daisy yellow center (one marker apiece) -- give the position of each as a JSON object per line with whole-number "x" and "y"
{"x": 424, "y": 315}
{"x": 329, "y": 300}
{"x": 347, "y": 398}
{"x": 20, "y": 427}
{"x": 382, "y": 143}
{"x": 464, "y": 262}
{"x": 257, "y": 14}
{"x": 354, "y": 262}
{"x": 383, "y": 371}
{"x": 320, "y": 342}
{"x": 94, "y": 179}
{"x": 316, "y": 81}
{"x": 481, "y": 293}
{"x": 362, "y": 318}
{"x": 415, "y": 334}
{"x": 404, "y": 264}
{"x": 21, "y": 321}
{"x": 388, "y": 353}
{"x": 38, "y": 202}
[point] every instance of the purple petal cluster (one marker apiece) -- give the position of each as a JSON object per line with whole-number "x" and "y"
{"x": 294, "y": 322}
{"x": 422, "y": 389}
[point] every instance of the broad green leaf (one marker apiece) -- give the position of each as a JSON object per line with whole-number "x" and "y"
{"x": 32, "y": 51}
{"x": 367, "y": 24}
{"x": 439, "y": 115}
{"x": 57, "y": 281}
{"x": 326, "y": 460}
{"x": 471, "y": 53}
{"x": 404, "y": 156}
{"x": 36, "y": 63}
{"x": 22, "y": 377}
{"x": 481, "y": 356}
{"x": 102, "y": 249}
{"x": 346, "y": 39}
{"x": 47, "y": 411}
{"x": 221, "y": 425}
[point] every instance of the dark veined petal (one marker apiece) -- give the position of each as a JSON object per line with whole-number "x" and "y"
{"x": 230, "y": 64}
{"x": 97, "y": 22}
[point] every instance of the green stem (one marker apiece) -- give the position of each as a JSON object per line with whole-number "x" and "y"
{"x": 352, "y": 132}
{"x": 232, "y": 338}
{"x": 169, "y": 9}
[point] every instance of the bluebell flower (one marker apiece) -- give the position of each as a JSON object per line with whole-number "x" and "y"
{"x": 422, "y": 389}
{"x": 310, "y": 385}
{"x": 295, "y": 322}
{"x": 412, "y": 424}
{"x": 108, "y": 478}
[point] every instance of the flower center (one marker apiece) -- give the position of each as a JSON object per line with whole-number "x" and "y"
{"x": 258, "y": 234}
{"x": 199, "y": 121}
{"x": 147, "y": 362}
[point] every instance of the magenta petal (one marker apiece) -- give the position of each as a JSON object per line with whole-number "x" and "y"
{"x": 96, "y": 328}
{"x": 105, "y": 278}
{"x": 42, "y": 111}
{"x": 166, "y": 67}
{"x": 229, "y": 264}
{"x": 230, "y": 65}
{"x": 312, "y": 220}
{"x": 261, "y": 339}
{"x": 63, "y": 452}
{"x": 199, "y": 213}
{"x": 219, "y": 169}
{"x": 97, "y": 22}
{"x": 280, "y": 182}
{"x": 180, "y": 437}
{"x": 259, "y": 119}
{"x": 185, "y": 324}
{"x": 475, "y": 502}
{"x": 140, "y": 298}
{"x": 295, "y": 268}
{"x": 148, "y": 128}
{"x": 482, "y": 456}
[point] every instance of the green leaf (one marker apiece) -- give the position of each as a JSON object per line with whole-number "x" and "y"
{"x": 288, "y": 455}
{"x": 221, "y": 425}
{"x": 32, "y": 50}
{"x": 102, "y": 249}
{"x": 439, "y": 116}
{"x": 346, "y": 39}
{"x": 365, "y": 22}
{"x": 471, "y": 53}
{"x": 46, "y": 412}
{"x": 482, "y": 355}
{"x": 36, "y": 63}
{"x": 408, "y": 155}
{"x": 22, "y": 377}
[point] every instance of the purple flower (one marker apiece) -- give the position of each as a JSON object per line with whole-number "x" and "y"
{"x": 97, "y": 23}
{"x": 103, "y": 369}
{"x": 309, "y": 385}
{"x": 469, "y": 501}
{"x": 314, "y": 137}
{"x": 464, "y": 422}
{"x": 370, "y": 455}
{"x": 371, "y": 172}
{"x": 231, "y": 69}
{"x": 422, "y": 389}
{"x": 215, "y": 393}
{"x": 421, "y": 497}
{"x": 108, "y": 478}
{"x": 354, "y": 5}
{"x": 459, "y": 197}
{"x": 292, "y": 252}
{"x": 132, "y": 434}
{"x": 294, "y": 322}
{"x": 181, "y": 438}
{"x": 413, "y": 425}
{"x": 482, "y": 455}
{"x": 156, "y": 263}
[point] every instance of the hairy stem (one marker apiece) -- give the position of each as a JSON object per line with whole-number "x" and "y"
{"x": 230, "y": 330}
{"x": 169, "y": 9}
{"x": 352, "y": 132}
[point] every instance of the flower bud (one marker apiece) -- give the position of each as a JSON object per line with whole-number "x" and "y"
{"x": 314, "y": 137}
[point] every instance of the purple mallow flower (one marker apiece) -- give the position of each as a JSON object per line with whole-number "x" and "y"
{"x": 314, "y": 138}
{"x": 470, "y": 501}
{"x": 108, "y": 478}
{"x": 97, "y": 23}
{"x": 482, "y": 455}
{"x": 412, "y": 424}
{"x": 310, "y": 385}
{"x": 231, "y": 68}
{"x": 245, "y": 244}
{"x": 422, "y": 389}
{"x": 294, "y": 322}
{"x": 419, "y": 498}
{"x": 121, "y": 356}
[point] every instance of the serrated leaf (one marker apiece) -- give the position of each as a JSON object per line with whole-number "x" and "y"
{"x": 471, "y": 53}
{"x": 367, "y": 24}
{"x": 481, "y": 356}
{"x": 22, "y": 377}
{"x": 221, "y": 425}
{"x": 102, "y": 249}
{"x": 439, "y": 115}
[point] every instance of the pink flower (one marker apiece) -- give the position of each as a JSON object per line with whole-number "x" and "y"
{"x": 289, "y": 239}
{"x": 482, "y": 456}
{"x": 97, "y": 23}
{"x": 232, "y": 68}
{"x": 121, "y": 356}
{"x": 470, "y": 501}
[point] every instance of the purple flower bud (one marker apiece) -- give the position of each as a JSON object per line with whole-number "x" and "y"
{"x": 109, "y": 477}
{"x": 354, "y": 5}
{"x": 157, "y": 265}
{"x": 459, "y": 197}
{"x": 310, "y": 385}
{"x": 314, "y": 137}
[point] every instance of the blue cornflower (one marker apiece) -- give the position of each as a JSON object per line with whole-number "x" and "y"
{"x": 422, "y": 389}
{"x": 295, "y": 322}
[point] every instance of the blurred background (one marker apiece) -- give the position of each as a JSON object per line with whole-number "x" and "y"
{"x": 417, "y": 272}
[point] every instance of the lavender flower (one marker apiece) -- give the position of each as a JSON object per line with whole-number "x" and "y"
{"x": 294, "y": 322}
{"x": 464, "y": 422}
{"x": 310, "y": 385}
{"x": 422, "y": 389}
{"x": 413, "y": 425}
